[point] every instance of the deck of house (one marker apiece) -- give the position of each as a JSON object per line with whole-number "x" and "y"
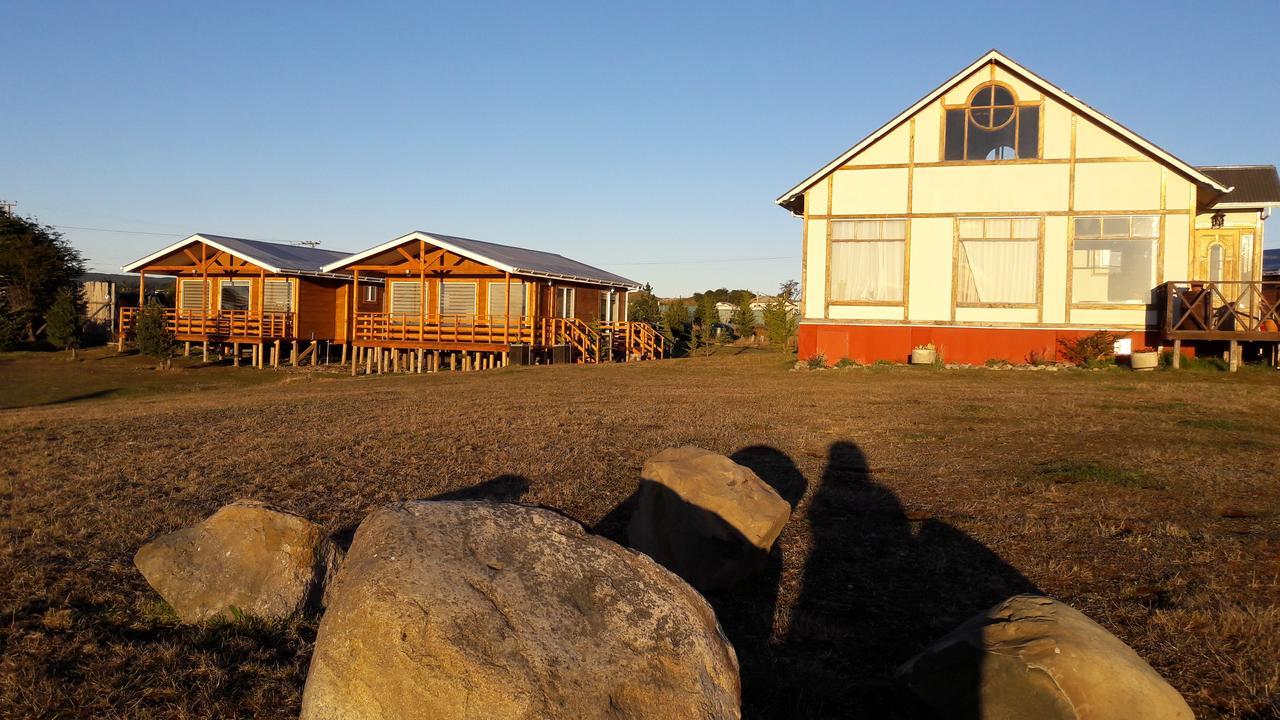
{"x": 1228, "y": 311}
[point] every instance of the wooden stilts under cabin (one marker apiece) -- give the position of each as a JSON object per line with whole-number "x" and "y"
{"x": 186, "y": 349}
{"x": 235, "y": 354}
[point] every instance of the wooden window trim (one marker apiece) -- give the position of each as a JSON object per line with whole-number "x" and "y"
{"x": 906, "y": 260}
{"x": 1017, "y": 106}
{"x": 1038, "y": 303}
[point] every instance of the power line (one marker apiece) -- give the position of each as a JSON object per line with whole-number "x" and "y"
{"x": 720, "y": 261}
{"x": 113, "y": 230}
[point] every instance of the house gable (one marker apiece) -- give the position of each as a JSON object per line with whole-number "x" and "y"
{"x": 915, "y": 138}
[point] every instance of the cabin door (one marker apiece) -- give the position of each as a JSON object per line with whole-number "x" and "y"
{"x": 1218, "y": 255}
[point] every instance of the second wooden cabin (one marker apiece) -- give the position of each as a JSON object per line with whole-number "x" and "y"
{"x": 478, "y": 304}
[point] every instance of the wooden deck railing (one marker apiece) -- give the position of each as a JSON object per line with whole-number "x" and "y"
{"x": 636, "y": 340}
{"x": 221, "y": 323}
{"x": 573, "y": 332}
{"x": 1220, "y": 310}
{"x": 411, "y": 327}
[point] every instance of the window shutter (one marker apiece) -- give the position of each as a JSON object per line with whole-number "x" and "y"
{"x": 498, "y": 299}
{"x": 458, "y": 298}
{"x": 193, "y": 295}
{"x": 406, "y": 298}
{"x": 277, "y": 295}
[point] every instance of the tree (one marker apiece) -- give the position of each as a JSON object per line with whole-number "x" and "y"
{"x": 675, "y": 324}
{"x": 35, "y": 263}
{"x": 642, "y": 306}
{"x": 780, "y": 317}
{"x": 708, "y": 316}
{"x": 744, "y": 319}
{"x": 152, "y": 330}
{"x": 64, "y": 323}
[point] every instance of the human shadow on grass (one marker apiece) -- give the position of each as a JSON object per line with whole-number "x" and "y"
{"x": 875, "y": 587}
{"x": 69, "y": 399}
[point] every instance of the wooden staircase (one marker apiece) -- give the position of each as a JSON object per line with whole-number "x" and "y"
{"x": 617, "y": 341}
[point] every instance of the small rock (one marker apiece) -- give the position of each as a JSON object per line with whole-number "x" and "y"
{"x": 245, "y": 558}
{"x": 706, "y": 518}
{"x": 1033, "y": 657}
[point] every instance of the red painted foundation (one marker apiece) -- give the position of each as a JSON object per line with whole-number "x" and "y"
{"x": 965, "y": 345}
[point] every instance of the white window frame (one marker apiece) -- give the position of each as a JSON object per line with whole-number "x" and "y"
{"x": 234, "y": 282}
{"x": 182, "y": 295}
{"x": 291, "y": 283}
{"x": 417, "y": 293}
{"x": 566, "y": 298}
{"x": 475, "y": 296}
{"x": 523, "y": 294}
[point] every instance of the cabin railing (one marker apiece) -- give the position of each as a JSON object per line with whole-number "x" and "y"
{"x": 1220, "y": 310}
{"x": 221, "y": 323}
{"x": 573, "y": 332}
{"x": 413, "y": 327}
{"x": 636, "y": 340}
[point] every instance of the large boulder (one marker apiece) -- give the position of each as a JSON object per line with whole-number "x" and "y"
{"x": 1033, "y": 657}
{"x": 470, "y": 609}
{"x": 707, "y": 518}
{"x": 245, "y": 558}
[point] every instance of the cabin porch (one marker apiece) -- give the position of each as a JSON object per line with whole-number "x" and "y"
{"x": 1214, "y": 313}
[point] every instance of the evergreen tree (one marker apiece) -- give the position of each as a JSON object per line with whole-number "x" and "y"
{"x": 154, "y": 338}
{"x": 35, "y": 263}
{"x": 744, "y": 319}
{"x": 64, "y": 323}
{"x": 675, "y": 324}
{"x": 708, "y": 316}
{"x": 642, "y": 306}
{"x": 780, "y": 318}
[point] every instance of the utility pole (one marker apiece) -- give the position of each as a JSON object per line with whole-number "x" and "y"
{"x": 6, "y": 207}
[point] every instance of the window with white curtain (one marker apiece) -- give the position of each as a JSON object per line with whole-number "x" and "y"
{"x": 998, "y": 262}
{"x": 192, "y": 295}
{"x": 406, "y": 298}
{"x": 867, "y": 260}
{"x": 1114, "y": 259}
{"x": 277, "y": 295}
{"x": 458, "y": 298}
{"x": 498, "y": 299}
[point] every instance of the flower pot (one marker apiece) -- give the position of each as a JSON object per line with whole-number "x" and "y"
{"x": 923, "y": 356}
{"x": 1144, "y": 360}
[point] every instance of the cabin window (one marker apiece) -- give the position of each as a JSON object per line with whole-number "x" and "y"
{"x": 1114, "y": 259}
{"x": 235, "y": 295}
{"x": 564, "y": 302}
{"x": 458, "y": 298}
{"x": 1246, "y": 256}
{"x": 1215, "y": 263}
{"x": 998, "y": 262}
{"x": 371, "y": 293}
{"x": 867, "y": 260}
{"x": 277, "y": 295}
{"x": 993, "y": 126}
{"x": 498, "y": 299}
{"x": 406, "y": 298}
{"x": 192, "y": 292}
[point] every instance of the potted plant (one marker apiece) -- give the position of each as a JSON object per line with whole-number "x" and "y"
{"x": 924, "y": 354}
{"x": 1145, "y": 358}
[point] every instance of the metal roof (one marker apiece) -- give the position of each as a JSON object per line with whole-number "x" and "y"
{"x": 275, "y": 257}
{"x": 515, "y": 260}
{"x": 1252, "y": 185}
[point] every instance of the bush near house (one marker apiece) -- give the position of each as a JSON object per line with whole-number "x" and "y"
{"x": 780, "y": 319}
{"x": 153, "y": 334}
{"x": 35, "y": 263}
{"x": 1090, "y": 351}
{"x": 64, "y": 324}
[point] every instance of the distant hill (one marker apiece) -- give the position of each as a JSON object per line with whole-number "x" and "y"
{"x": 1271, "y": 261}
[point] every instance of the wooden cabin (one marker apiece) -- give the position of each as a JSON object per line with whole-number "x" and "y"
{"x": 472, "y": 304}
{"x": 264, "y": 297}
{"x": 999, "y": 215}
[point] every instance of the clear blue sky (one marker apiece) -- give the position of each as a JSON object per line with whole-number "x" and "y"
{"x": 649, "y": 140}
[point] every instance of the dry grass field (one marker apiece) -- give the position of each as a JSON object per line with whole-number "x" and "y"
{"x": 1150, "y": 502}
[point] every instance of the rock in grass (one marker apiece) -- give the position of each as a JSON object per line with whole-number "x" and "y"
{"x": 1033, "y": 657}
{"x": 468, "y": 609}
{"x": 246, "y": 558}
{"x": 705, "y": 517}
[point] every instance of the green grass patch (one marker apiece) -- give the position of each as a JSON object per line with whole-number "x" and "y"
{"x": 1092, "y": 471}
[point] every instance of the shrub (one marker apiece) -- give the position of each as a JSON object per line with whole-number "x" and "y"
{"x": 64, "y": 323}
{"x": 152, "y": 330}
{"x": 1090, "y": 351}
{"x": 675, "y": 325}
{"x": 817, "y": 362}
{"x": 1038, "y": 358}
{"x": 780, "y": 319}
{"x": 744, "y": 319}
{"x": 847, "y": 363}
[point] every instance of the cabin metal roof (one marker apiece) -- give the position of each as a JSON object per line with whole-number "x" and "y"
{"x": 508, "y": 258}
{"x": 1252, "y": 185}
{"x": 278, "y": 258}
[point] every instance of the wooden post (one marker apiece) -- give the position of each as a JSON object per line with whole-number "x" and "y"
{"x": 344, "y": 354}
{"x": 1234, "y": 363}
{"x": 506, "y": 326}
{"x": 293, "y": 354}
{"x": 206, "y": 350}
{"x": 368, "y": 361}
{"x": 142, "y": 282}
{"x": 275, "y": 355}
{"x": 235, "y": 354}
{"x": 1177, "y": 354}
{"x": 453, "y": 361}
